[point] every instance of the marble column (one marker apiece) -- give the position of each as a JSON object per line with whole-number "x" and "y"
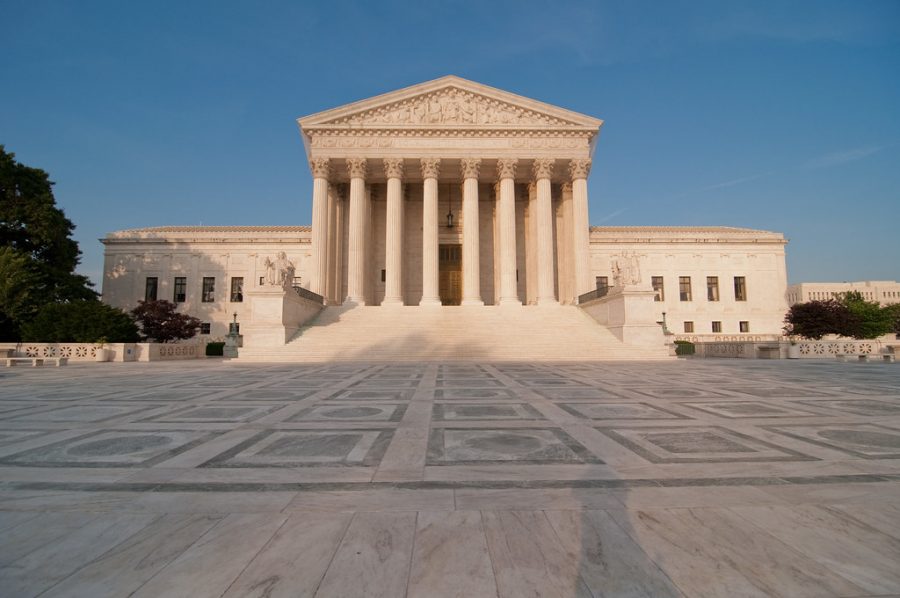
{"x": 356, "y": 271}
{"x": 471, "y": 250}
{"x": 581, "y": 233}
{"x": 331, "y": 280}
{"x": 340, "y": 221}
{"x": 393, "y": 245}
{"x": 506, "y": 172}
{"x": 430, "y": 290}
{"x": 543, "y": 170}
{"x": 318, "y": 282}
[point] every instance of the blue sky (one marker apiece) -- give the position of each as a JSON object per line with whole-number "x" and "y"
{"x": 777, "y": 115}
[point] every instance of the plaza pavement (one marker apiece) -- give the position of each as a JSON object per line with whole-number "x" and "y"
{"x": 687, "y": 478}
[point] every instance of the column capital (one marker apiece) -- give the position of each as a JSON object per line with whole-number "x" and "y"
{"x": 506, "y": 168}
{"x": 543, "y": 168}
{"x": 393, "y": 168}
{"x": 358, "y": 167}
{"x": 470, "y": 167}
{"x": 431, "y": 167}
{"x": 579, "y": 169}
{"x": 320, "y": 167}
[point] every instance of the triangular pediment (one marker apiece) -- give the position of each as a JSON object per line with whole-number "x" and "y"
{"x": 449, "y": 102}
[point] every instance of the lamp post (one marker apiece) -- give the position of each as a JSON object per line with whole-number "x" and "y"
{"x": 231, "y": 339}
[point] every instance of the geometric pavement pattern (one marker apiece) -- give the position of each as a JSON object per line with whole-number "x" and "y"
{"x": 686, "y": 478}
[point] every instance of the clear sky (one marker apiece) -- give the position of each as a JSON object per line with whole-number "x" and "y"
{"x": 780, "y": 115}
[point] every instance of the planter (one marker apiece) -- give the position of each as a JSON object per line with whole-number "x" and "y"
{"x": 793, "y": 352}
{"x": 102, "y": 355}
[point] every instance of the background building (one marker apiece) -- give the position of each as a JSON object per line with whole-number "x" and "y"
{"x": 884, "y": 292}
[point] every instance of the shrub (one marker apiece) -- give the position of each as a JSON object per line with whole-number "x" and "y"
{"x": 215, "y": 349}
{"x": 160, "y": 322}
{"x": 684, "y": 348}
{"x": 80, "y": 322}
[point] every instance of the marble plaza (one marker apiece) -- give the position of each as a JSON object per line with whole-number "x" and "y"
{"x": 700, "y": 478}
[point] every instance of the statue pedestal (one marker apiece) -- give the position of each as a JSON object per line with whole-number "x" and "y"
{"x": 276, "y": 314}
{"x": 629, "y": 312}
{"x": 231, "y": 346}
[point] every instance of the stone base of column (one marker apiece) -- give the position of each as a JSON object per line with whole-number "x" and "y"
{"x": 509, "y": 301}
{"x": 547, "y": 301}
{"x": 472, "y": 301}
{"x": 392, "y": 301}
{"x": 355, "y": 301}
{"x": 430, "y": 302}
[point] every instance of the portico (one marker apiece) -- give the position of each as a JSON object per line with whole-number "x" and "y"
{"x": 409, "y": 184}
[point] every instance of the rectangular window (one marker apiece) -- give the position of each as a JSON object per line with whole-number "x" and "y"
{"x": 745, "y": 326}
{"x": 180, "y": 289}
{"x": 717, "y": 326}
{"x": 684, "y": 288}
{"x": 209, "y": 289}
{"x": 712, "y": 288}
{"x": 740, "y": 288}
{"x": 204, "y": 327}
{"x": 688, "y": 326}
{"x": 659, "y": 287}
{"x": 150, "y": 288}
{"x": 602, "y": 285}
{"x": 237, "y": 289}
{"x": 383, "y": 275}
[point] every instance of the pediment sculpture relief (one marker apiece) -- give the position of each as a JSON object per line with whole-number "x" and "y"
{"x": 450, "y": 106}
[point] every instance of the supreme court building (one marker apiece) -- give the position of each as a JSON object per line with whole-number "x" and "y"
{"x": 452, "y": 193}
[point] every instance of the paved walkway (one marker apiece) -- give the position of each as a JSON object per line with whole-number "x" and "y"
{"x": 692, "y": 478}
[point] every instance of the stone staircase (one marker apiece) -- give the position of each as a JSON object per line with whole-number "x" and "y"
{"x": 459, "y": 333}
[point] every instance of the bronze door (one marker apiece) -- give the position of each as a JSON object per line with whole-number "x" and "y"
{"x": 450, "y": 274}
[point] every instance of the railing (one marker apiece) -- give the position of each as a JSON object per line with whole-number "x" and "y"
{"x": 595, "y": 294}
{"x": 307, "y": 294}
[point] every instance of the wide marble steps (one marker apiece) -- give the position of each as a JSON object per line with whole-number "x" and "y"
{"x": 458, "y": 333}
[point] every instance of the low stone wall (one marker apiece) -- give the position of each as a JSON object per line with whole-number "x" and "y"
{"x": 117, "y": 351}
{"x": 746, "y": 349}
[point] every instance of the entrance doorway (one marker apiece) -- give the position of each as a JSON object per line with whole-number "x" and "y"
{"x": 450, "y": 274}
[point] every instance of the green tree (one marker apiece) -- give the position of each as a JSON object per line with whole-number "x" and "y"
{"x": 80, "y": 322}
{"x": 160, "y": 322}
{"x": 870, "y": 320}
{"x": 32, "y": 226}
{"x": 18, "y": 292}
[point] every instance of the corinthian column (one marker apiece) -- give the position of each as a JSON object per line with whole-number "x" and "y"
{"x": 393, "y": 245}
{"x": 506, "y": 172}
{"x": 581, "y": 234}
{"x": 471, "y": 269}
{"x": 430, "y": 291}
{"x": 356, "y": 271}
{"x": 543, "y": 169}
{"x": 318, "y": 280}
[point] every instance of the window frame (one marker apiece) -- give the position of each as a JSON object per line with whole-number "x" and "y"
{"x": 147, "y": 293}
{"x": 716, "y": 326}
{"x": 180, "y": 283}
{"x": 744, "y": 326}
{"x": 688, "y": 327}
{"x": 236, "y": 296}
{"x": 208, "y": 293}
{"x": 740, "y": 288}
{"x": 712, "y": 288}
{"x": 660, "y": 290}
{"x": 684, "y": 282}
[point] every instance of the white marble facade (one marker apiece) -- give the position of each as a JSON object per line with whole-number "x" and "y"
{"x": 512, "y": 171}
